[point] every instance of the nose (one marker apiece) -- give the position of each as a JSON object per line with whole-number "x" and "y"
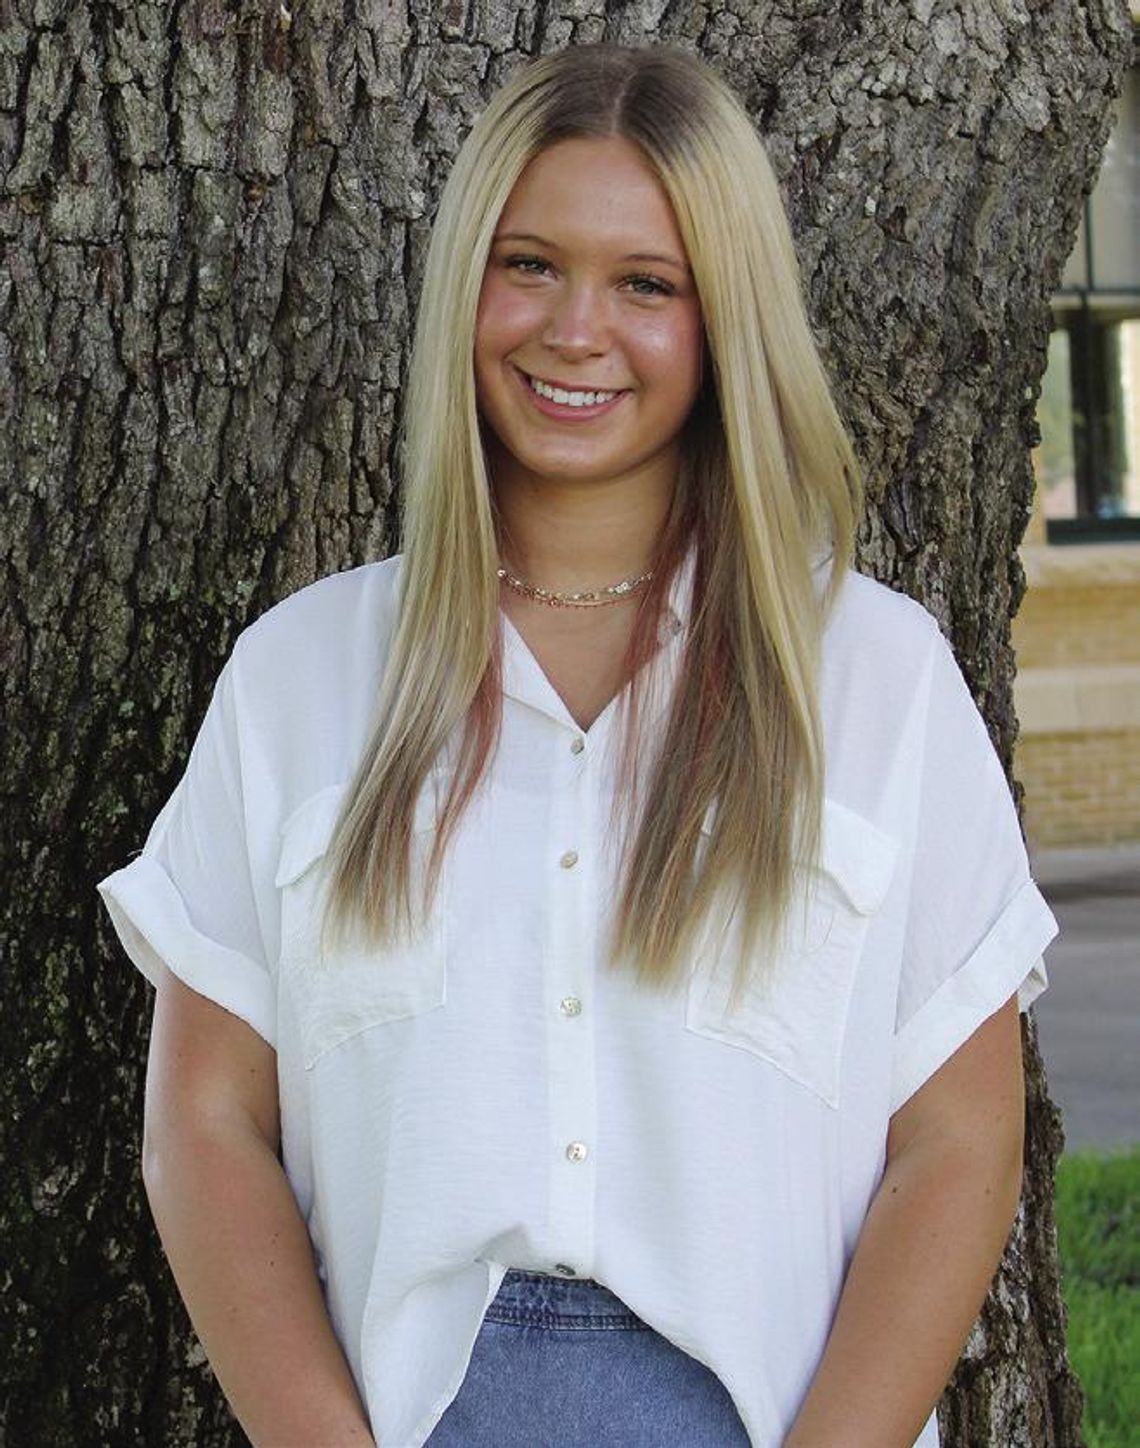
{"x": 577, "y": 325}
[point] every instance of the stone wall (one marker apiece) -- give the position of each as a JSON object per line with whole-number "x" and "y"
{"x": 1077, "y": 692}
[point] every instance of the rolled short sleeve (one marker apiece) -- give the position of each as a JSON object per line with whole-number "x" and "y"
{"x": 977, "y": 924}
{"x": 188, "y": 901}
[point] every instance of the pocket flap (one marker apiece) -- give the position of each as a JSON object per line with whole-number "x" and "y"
{"x": 306, "y": 834}
{"x": 858, "y": 856}
{"x": 855, "y": 853}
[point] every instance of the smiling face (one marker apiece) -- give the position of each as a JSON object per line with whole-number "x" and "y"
{"x": 588, "y": 336}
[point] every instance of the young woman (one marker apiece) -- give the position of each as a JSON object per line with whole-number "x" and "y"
{"x": 589, "y": 945}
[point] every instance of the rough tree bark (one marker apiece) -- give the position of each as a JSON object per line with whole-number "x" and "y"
{"x": 212, "y": 223}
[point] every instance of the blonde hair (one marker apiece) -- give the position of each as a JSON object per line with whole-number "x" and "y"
{"x": 778, "y": 481}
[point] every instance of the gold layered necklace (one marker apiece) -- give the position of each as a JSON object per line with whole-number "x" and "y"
{"x": 584, "y": 598}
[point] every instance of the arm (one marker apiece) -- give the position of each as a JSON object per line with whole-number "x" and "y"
{"x": 930, "y": 1245}
{"x": 233, "y": 1235}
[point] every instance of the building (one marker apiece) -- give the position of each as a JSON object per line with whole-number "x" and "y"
{"x": 1077, "y": 633}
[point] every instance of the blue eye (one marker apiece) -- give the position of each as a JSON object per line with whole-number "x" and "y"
{"x": 641, "y": 283}
{"x": 647, "y": 286}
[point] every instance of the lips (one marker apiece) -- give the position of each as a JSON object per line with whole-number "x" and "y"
{"x": 570, "y": 397}
{"x": 564, "y": 411}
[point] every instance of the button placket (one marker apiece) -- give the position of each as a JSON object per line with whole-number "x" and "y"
{"x": 569, "y": 972}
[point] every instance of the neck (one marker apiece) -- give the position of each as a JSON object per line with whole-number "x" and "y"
{"x": 579, "y": 535}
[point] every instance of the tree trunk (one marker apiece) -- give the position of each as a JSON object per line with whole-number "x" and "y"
{"x": 213, "y": 218}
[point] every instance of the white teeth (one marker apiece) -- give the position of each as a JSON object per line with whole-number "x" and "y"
{"x": 571, "y": 399}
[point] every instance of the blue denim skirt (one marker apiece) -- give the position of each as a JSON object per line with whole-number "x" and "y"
{"x": 565, "y": 1364}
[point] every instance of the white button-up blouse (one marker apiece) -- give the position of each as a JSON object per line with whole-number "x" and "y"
{"x": 492, "y": 1096}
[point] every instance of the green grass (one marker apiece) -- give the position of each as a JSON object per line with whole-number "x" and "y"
{"x": 1098, "y": 1226}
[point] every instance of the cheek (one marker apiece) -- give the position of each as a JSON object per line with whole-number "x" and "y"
{"x": 488, "y": 345}
{"x": 503, "y": 319}
{"x": 672, "y": 348}
{"x": 499, "y": 331}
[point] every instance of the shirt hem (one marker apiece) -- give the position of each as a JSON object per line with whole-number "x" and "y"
{"x": 1008, "y": 959}
{"x": 152, "y": 924}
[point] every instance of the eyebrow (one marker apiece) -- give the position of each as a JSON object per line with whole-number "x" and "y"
{"x": 654, "y": 256}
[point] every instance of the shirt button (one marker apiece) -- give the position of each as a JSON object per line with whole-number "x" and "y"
{"x": 569, "y": 859}
{"x": 577, "y": 746}
{"x": 570, "y": 1006}
{"x": 576, "y": 1151}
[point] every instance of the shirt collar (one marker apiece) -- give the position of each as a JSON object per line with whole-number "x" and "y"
{"x": 679, "y": 604}
{"x": 524, "y": 680}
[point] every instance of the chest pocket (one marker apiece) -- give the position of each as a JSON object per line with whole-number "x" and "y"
{"x": 338, "y": 995}
{"x": 796, "y": 1017}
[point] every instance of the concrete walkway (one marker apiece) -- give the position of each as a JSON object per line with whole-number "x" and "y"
{"x": 1089, "y": 1018}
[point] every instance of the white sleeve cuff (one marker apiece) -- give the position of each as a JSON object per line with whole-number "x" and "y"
{"x": 1008, "y": 959}
{"x": 151, "y": 921}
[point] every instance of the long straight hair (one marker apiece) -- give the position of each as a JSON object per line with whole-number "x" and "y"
{"x": 768, "y": 482}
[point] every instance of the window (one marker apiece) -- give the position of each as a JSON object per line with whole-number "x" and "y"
{"x": 1088, "y": 463}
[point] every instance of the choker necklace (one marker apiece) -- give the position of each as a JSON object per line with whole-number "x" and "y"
{"x": 587, "y": 598}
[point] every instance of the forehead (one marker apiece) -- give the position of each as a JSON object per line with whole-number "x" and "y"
{"x": 592, "y": 191}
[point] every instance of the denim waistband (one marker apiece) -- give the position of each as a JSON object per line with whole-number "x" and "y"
{"x": 538, "y": 1300}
